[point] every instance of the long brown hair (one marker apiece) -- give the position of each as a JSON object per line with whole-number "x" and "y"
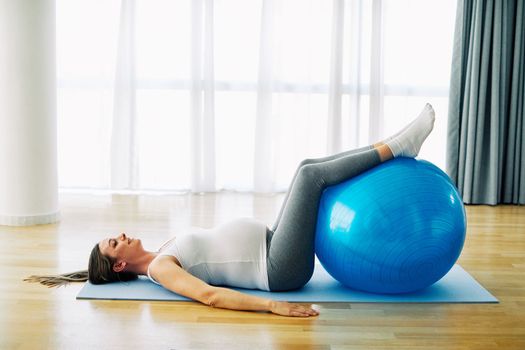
{"x": 100, "y": 270}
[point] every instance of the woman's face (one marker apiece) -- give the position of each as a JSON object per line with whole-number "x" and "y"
{"x": 121, "y": 248}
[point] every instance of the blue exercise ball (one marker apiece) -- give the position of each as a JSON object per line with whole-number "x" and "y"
{"x": 396, "y": 228}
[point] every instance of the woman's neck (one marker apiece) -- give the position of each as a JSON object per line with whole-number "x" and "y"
{"x": 140, "y": 266}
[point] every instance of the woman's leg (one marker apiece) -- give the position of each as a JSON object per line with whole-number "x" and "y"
{"x": 291, "y": 252}
{"x": 312, "y": 161}
{"x": 291, "y": 247}
{"x": 336, "y": 156}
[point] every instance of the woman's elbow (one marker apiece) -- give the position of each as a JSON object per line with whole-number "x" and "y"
{"x": 210, "y": 297}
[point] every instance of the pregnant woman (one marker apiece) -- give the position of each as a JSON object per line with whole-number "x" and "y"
{"x": 201, "y": 263}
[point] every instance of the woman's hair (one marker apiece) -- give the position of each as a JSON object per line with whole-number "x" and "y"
{"x": 100, "y": 270}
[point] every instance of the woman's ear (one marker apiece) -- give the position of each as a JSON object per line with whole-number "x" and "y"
{"x": 119, "y": 266}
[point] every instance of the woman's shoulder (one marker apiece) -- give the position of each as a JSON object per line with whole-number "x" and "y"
{"x": 163, "y": 259}
{"x": 158, "y": 264}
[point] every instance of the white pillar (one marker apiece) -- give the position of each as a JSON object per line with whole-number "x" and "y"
{"x": 28, "y": 142}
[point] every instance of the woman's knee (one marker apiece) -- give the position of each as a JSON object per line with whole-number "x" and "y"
{"x": 306, "y": 162}
{"x": 303, "y": 163}
{"x": 311, "y": 173}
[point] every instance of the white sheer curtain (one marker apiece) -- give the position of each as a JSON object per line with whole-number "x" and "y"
{"x": 205, "y": 95}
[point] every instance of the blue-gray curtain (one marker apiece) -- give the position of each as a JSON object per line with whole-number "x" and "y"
{"x": 486, "y": 145}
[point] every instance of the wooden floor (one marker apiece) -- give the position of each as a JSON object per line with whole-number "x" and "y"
{"x": 34, "y": 317}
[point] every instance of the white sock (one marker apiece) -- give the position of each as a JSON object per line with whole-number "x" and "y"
{"x": 398, "y": 133}
{"x": 408, "y": 141}
{"x": 402, "y": 130}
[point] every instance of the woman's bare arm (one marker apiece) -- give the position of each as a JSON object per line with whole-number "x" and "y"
{"x": 171, "y": 276}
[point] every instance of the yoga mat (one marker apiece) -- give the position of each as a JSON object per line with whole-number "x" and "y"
{"x": 456, "y": 287}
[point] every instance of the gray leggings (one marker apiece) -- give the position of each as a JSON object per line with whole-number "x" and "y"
{"x": 290, "y": 242}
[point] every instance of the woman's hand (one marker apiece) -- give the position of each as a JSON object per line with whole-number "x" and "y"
{"x": 288, "y": 309}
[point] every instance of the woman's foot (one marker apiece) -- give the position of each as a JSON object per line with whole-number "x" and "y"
{"x": 408, "y": 141}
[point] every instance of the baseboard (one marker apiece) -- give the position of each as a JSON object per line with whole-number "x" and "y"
{"x": 29, "y": 220}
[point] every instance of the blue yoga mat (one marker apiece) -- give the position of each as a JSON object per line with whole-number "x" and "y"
{"x": 456, "y": 287}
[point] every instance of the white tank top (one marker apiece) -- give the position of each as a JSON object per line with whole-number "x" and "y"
{"x": 232, "y": 254}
